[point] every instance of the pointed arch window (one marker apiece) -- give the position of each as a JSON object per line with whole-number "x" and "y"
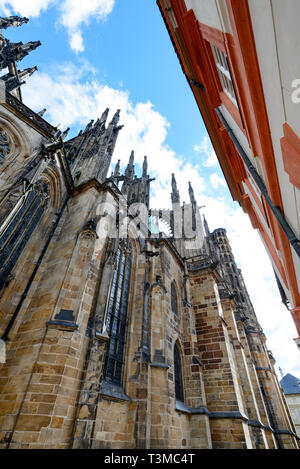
{"x": 179, "y": 394}
{"x": 15, "y": 234}
{"x": 117, "y": 314}
{"x": 174, "y": 301}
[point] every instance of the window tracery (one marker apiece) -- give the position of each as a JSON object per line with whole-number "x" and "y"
{"x": 17, "y": 232}
{"x": 117, "y": 313}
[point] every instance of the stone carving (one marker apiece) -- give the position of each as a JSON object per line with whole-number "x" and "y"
{"x": 14, "y": 51}
{"x": 4, "y": 145}
{"x": 12, "y": 21}
{"x": 29, "y": 114}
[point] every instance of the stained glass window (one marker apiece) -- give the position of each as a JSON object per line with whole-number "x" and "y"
{"x": 117, "y": 314}
{"x": 16, "y": 234}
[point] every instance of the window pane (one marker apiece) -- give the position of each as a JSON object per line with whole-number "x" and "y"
{"x": 117, "y": 314}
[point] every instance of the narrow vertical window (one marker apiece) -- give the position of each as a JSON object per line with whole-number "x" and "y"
{"x": 117, "y": 314}
{"x": 179, "y": 395}
{"x": 16, "y": 233}
{"x": 174, "y": 302}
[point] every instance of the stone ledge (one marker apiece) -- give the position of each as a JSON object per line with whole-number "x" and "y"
{"x": 182, "y": 407}
{"x": 159, "y": 365}
{"x": 62, "y": 325}
{"x": 228, "y": 415}
{"x": 113, "y": 392}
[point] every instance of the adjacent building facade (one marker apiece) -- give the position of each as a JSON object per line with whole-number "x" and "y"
{"x": 240, "y": 58}
{"x": 291, "y": 388}
{"x": 119, "y": 330}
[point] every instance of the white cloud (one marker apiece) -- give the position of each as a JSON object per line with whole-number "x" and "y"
{"x": 72, "y": 14}
{"x": 29, "y": 8}
{"x": 73, "y": 102}
{"x": 217, "y": 181}
{"x": 76, "y": 42}
{"x": 205, "y": 149}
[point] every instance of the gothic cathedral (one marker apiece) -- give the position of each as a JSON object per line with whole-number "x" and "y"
{"x": 117, "y": 333}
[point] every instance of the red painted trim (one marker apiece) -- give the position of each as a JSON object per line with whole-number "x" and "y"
{"x": 232, "y": 109}
{"x": 255, "y": 197}
{"x": 213, "y": 36}
{"x": 249, "y": 208}
{"x": 256, "y": 121}
{"x": 219, "y": 39}
{"x": 245, "y": 62}
{"x": 296, "y": 317}
{"x": 173, "y": 37}
{"x": 290, "y": 146}
{"x": 179, "y": 7}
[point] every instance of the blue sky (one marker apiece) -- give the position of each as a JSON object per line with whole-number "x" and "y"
{"x": 117, "y": 53}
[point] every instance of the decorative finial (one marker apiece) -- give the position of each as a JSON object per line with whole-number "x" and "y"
{"x": 89, "y": 126}
{"x": 14, "y": 52}
{"x": 175, "y": 192}
{"x": 115, "y": 119}
{"x": 12, "y": 21}
{"x": 65, "y": 133}
{"x": 191, "y": 194}
{"x": 145, "y": 167}
{"x": 117, "y": 169}
{"x": 42, "y": 112}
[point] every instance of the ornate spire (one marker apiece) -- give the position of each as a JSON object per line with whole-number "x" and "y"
{"x": 175, "y": 197}
{"x": 129, "y": 172}
{"x": 206, "y": 228}
{"x": 13, "y": 52}
{"x": 115, "y": 119}
{"x": 191, "y": 194}
{"x": 12, "y": 21}
{"x": 100, "y": 123}
{"x": 42, "y": 112}
{"x": 14, "y": 81}
{"x": 89, "y": 126}
{"x": 65, "y": 133}
{"x": 103, "y": 118}
{"x": 117, "y": 169}
{"x": 145, "y": 167}
{"x": 27, "y": 72}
